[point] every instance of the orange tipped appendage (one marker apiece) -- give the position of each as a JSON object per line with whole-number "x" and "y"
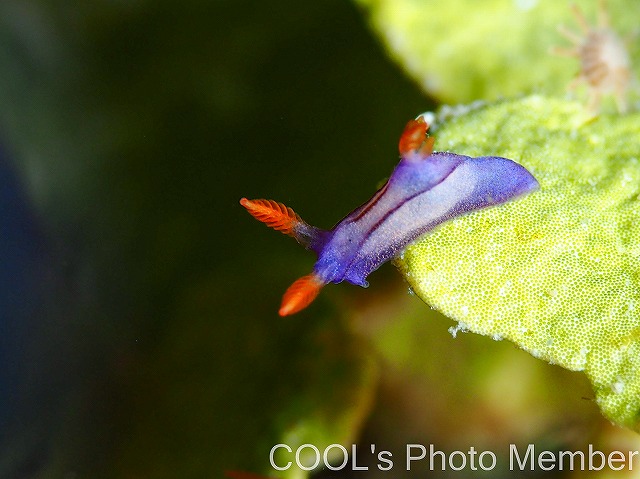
{"x": 414, "y": 139}
{"x": 300, "y": 294}
{"x": 275, "y": 215}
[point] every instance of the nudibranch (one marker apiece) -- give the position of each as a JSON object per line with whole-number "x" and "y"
{"x": 425, "y": 189}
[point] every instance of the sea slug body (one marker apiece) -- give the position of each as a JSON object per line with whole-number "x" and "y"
{"x": 425, "y": 189}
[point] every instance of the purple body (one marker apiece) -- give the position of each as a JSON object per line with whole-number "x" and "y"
{"x": 424, "y": 190}
{"x": 420, "y": 194}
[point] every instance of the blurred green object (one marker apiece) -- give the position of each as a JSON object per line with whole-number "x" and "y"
{"x": 556, "y": 272}
{"x": 464, "y": 50}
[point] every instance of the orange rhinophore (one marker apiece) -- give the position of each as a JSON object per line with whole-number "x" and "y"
{"x": 300, "y": 294}
{"x": 414, "y": 138}
{"x": 275, "y": 215}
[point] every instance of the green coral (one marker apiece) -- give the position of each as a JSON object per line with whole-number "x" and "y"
{"x": 556, "y": 272}
{"x": 496, "y": 48}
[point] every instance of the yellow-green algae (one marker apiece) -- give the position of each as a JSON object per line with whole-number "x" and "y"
{"x": 462, "y": 50}
{"x": 558, "y": 271}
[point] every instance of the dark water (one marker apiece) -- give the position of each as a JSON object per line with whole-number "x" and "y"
{"x": 132, "y": 280}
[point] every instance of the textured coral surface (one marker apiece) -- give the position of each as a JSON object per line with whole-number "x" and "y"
{"x": 555, "y": 272}
{"x": 496, "y": 48}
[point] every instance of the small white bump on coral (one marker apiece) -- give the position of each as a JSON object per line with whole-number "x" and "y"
{"x": 617, "y": 387}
